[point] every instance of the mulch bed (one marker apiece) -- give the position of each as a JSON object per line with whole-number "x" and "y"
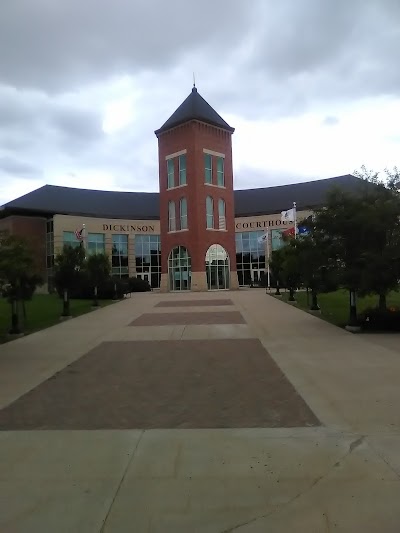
{"x": 164, "y": 384}
{"x": 186, "y": 319}
{"x": 194, "y": 303}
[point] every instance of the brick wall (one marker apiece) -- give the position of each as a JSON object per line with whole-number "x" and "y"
{"x": 33, "y": 230}
{"x": 194, "y": 137}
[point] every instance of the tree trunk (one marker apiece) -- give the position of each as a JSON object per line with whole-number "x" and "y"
{"x": 66, "y": 309}
{"x": 15, "y": 329}
{"x": 115, "y": 297}
{"x": 291, "y": 294}
{"x": 314, "y": 301}
{"x": 277, "y": 292}
{"x": 353, "y": 309}
{"x": 95, "y": 299}
{"x": 382, "y": 302}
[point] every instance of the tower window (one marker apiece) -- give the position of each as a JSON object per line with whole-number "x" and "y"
{"x": 209, "y": 213}
{"x": 182, "y": 169}
{"x": 220, "y": 172}
{"x": 171, "y": 217}
{"x": 207, "y": 168}
{"x": 221, "y": 214}
{"x": 183, "y": 213}
{"x": 170, "y": 173}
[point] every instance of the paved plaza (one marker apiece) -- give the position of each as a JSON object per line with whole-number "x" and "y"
{"x": 215, "y": 412}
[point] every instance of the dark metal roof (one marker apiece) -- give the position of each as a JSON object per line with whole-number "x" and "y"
{"x": 310, "y": 194}
{"x": 194, "y": 108}
{"x": 51, "y": 199}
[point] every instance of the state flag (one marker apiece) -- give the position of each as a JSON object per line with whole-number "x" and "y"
{"x": 289, "y": 215}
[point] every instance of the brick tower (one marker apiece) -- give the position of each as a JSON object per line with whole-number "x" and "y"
{"x": 196, "y": 199}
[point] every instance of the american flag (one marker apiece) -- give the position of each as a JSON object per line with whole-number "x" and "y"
{"x": 79, "y": 234}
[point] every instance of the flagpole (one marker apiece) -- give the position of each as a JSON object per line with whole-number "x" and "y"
{"x": 84, "y": 238}
{"x": 268, "y": 271}
{"x": 295, "y": 219}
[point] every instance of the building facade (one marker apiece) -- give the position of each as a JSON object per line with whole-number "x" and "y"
{"x": 197, "y": 233}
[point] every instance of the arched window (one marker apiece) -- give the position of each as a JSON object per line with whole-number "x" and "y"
{"x": 183, "y": 213}
{"x": 209, "y": 212}
{"x": 221, "y": 214}
{"x": 171, "y": 216}
{"x": 217, "y": 267}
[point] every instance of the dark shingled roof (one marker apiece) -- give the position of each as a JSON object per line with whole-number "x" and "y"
{"x": 51, "y": 199}
{"x": 194, "y": 108}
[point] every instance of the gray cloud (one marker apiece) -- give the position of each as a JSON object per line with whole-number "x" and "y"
{"x": 66, "y": 44}
{"x": 258, "y": 60}
{"x": 9, "y": 165}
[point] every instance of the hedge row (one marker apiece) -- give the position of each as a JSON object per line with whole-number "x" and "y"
{"x": 111, "y": 288}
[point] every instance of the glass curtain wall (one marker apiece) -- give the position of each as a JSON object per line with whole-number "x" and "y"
{"x": 96, "y": 243}
{"x": 148, "y": 259}
{"x": 250, "y": 257}
{"x": 119, "y": 256}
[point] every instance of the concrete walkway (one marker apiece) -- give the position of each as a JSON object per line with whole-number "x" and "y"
{"x": 343, "y": 475}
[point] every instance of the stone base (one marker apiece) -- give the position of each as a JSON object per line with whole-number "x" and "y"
{"x": 164, "y": 283}
{"x": 234, "y": 282}
{"x": 292, "y": 302}
{"x": 94, "y": 307}
{"x": 315, "y": 311}
{"x": 353, "y": 329}
{"x": 199, "y": 282}
{"x": 63, "y": 318}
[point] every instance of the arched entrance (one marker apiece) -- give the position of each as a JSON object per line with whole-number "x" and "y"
{"x": 179, "y": 269}
{"x": 217, "y": 267}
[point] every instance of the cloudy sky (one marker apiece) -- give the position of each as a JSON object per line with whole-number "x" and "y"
{"x": 311, "y": 86}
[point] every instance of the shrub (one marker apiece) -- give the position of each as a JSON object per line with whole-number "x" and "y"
{"x": 83, "y": 288}
{"x": 376, "y": 319}
{"x": 138, "y": 285}
{"x": 26, "y": 289}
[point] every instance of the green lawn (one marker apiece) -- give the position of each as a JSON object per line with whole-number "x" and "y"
{"x": 335, "y": 305}
{"x": 42, "y": 311}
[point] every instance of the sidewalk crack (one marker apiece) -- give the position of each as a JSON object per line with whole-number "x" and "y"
{"x": 121, "y": 482}
{"x": 353, "y": 445}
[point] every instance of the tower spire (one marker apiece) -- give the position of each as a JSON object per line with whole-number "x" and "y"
{"x": 194, "y": 81}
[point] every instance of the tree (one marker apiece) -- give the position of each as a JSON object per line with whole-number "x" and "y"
{"x": 291, "y": 271}
{"x": 276, "y": 268}
{"x": 68, "y": 265}
{"x": 343, "y": 223}
{"x": 99, "y": 269}
{"x": 381, "y": 204}
{"x": 363, "y": 235}
{"x": 17, "y": 275}
{"x": 316, "y": 268}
